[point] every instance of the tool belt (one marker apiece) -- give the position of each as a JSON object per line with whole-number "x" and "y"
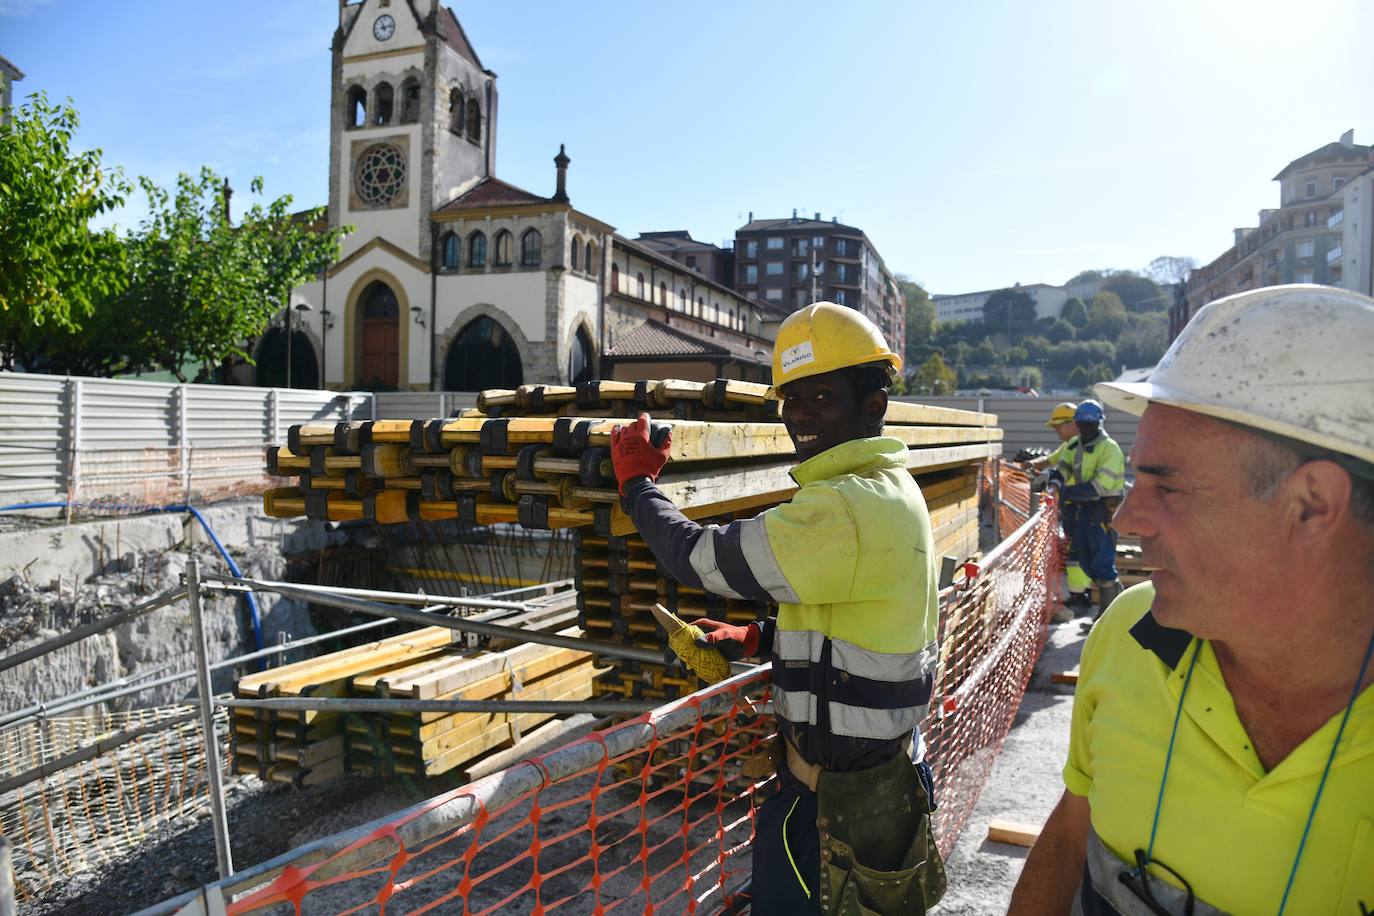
{"x": 878, "y": 852}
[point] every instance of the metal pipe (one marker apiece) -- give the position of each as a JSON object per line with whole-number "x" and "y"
{"x": 90, "y": 629}
{"x": 226, "y": 584}
{"x": 91, "y": 751}
{"x": 398, "y": 704}
{"x": 328, "y": 598}
{"x": 205, "y": 699}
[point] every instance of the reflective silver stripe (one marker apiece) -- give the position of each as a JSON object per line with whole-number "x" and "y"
{"x": 882, "y": 666}
{"x": 795, "y": 705}
{"x": 703, "y": 560}
{"x": 863, "y": 722}
{"x": 1109, "y": 490}
{"x": 796, "y": 645}
{"x": 1078, "y": 464}
{"x": 805, "y": 645}
{"x": 758, "y": 553}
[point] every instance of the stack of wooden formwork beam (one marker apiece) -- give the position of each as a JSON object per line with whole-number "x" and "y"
{"x": 555, "y": 472}
{"x": 305, "y": 748}
{"x": 539, "y": 457}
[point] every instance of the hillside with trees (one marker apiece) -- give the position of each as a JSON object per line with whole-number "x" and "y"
{"x": 1126, "y": 325}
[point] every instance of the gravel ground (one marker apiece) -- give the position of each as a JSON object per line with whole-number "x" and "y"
{"x": 1024, "y": 786}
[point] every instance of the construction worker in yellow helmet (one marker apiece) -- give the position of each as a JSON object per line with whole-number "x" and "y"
{"x": 849, "y": 562}
{"x": 1062, "y": 422}
{"x": 1221, "y": 754}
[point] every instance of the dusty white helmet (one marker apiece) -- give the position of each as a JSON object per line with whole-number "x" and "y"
{"x": 1294, "y": 360}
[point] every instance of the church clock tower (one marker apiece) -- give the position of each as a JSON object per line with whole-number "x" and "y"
{"x": 413, "y": 121}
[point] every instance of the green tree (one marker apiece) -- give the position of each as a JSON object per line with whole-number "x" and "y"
{"x": 1031, "y": 377}
{"x": 1079, "y": 378}
{"x": 985, "y": 354}
{"x": 1106, "y": 316}
{"x": 920, "y": 315}
{"x": 1100, "y": 373}
{"x": 1065, "y": 356}
{"x": 1009, "y": 311}
{"x": 1075, "y": 312}
{"x": 1139, "y": 294}
{"x": 934, "y": 377}
{"x": 1061, "y": 330}
{"x": 53, "y": 267}
{"x": 1170, "y": 271}
{"x": 1087, "y": 276}
{"x": 201, "y": 287}
{"x": 1144, "y": 339}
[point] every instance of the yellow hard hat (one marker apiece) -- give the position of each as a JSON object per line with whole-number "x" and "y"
{"x": 823, "y": 337}
{"x": 1063, "y": 413}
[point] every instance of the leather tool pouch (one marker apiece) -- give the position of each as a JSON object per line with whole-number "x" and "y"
{"x": 878, "y": 852}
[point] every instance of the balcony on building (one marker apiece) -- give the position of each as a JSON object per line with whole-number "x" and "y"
{"x": 1335, "y": 219}
{"x": 1334, "y": 254}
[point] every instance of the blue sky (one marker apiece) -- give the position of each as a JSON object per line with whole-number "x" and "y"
{"x": 978, "y": 144}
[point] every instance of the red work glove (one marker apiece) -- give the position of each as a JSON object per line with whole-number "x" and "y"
{"x": 633, "y": 455}
{"x": 734, "y": 642}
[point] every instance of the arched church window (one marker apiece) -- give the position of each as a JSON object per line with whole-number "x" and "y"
{"x": 382, "y": 99}
{"x": 455, "y": 110}
{"x": 615, "y": 278}
{"x": 682, "y": 299}
{"x": 477, "y": 250}
{"x": 355, "y": 115}
{"x": 474, "y": 120}
{"x": 450, "y": 251}
{"x": 482, "y": 355}
{"x": 639, "y": 285}
{"x": 410, "y": 101}
{"x": 502, "y": 253}
{"x": 531, "y": 243}
{"x": 701, "y": 307}
{"x": 576, "y": 251}
{"x": 592, "y": 266}
{"x": 580, "y": 365}
{"x": 663, "y": 295}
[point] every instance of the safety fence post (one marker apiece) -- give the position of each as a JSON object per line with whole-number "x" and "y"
{"x": 73, "y": 443}
{"x": 996, "y": 499}
{"x": 7, "y": 904}
{"x": 205, "y": 699}
{"x": 184, "y": 441}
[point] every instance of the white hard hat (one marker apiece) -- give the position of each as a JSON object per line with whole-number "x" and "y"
{"x": 1296, "y": 361}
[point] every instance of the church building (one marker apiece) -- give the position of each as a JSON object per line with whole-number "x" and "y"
{"x": 453, "y": 279}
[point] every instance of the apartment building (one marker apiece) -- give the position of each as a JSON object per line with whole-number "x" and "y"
{"x": 711, "y": 261}
{"x": 1049, "y": 300}
{"x": 792, "y": 262}
{"x": 1300, "y": 241}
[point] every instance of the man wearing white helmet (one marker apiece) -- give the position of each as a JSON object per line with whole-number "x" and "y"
{"x": 1222, "y": 749}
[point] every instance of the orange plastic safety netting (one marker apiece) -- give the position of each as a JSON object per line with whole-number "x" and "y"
{"x": 656, "y": 814}
{"x": 1005, "y": 488}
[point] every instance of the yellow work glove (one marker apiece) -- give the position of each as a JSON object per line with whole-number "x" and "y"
{"x": 708, "y": 664}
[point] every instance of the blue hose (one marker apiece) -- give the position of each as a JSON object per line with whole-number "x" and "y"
{"x": 253, "y": 615}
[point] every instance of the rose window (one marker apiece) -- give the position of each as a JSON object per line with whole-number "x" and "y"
{"x": 380, "y": 175}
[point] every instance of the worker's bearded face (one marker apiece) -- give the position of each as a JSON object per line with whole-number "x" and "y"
{"x": 823, "y": 411}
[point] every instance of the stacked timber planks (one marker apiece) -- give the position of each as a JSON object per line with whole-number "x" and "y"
{"x": 555, "y": 471}
{"x": 432, "y": 663}
{"x": 539, "y": 457}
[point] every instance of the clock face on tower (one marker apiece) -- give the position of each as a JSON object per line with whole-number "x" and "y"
{"x": 384, "y": 27}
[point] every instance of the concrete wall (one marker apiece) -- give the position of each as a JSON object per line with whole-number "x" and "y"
{"x": 1023, "y": 420}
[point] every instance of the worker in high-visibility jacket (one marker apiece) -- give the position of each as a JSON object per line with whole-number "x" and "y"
{"x": 1062, "y": 422}
{"x": 1094, "y": 472}
{"x": 849, "y": 562}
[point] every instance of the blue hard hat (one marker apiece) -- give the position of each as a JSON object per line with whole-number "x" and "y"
{"x": 1089, "y": 411}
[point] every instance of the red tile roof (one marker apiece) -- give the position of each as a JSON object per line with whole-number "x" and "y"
{"x": 654, "y": 338}
{"x": 492, "y": 192}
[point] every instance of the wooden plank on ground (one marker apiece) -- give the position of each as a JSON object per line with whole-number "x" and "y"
{"x": 1012, "y": 833}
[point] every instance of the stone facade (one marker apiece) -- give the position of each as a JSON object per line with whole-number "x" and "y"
{"x": 457, "y": 250}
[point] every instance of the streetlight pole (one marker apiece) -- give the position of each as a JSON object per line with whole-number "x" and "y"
{"x": 288, "y": 338}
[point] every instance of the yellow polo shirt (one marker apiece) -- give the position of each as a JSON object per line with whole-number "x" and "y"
{"x": 1228, "y": 827}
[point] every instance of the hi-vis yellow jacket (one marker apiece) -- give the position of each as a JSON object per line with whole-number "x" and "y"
{"x": 849, "y": 561}
{"x": 1091, "y": 471}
